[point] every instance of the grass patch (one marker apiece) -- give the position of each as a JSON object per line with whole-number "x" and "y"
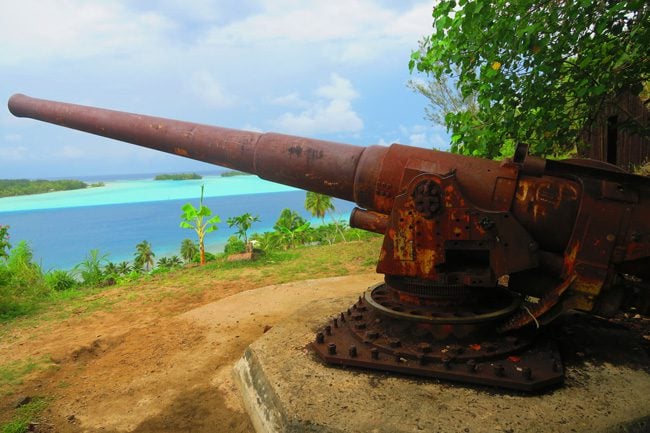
{"x": 25, "y": 415}
{"x": 274, "y": 267}
{"x": 13, "y": 373}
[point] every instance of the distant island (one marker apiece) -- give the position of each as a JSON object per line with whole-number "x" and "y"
{"x": 234, "y": 173}
{"x": 178, "y": 176}
{"x": 16, "y": 187}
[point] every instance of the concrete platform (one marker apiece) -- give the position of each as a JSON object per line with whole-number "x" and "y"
{"x": 285, "y": 388}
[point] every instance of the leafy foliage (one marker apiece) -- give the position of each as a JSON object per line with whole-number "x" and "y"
{"x": 5, "y": 246}
{"x": 243, "y": 223}
{"x": 60, "y": 280}
{"x": 14, "y": 187}
{"x": 21, "y": 282}
{"x": 234, "y": 245}
{"x": 144, "y": 256}
{"x": 178, "y": 176}
{"x": 201, "y": 221}
{"x": 540, "y": 70}
{"x": 319, "y": 205}
{"x": 189, "y": 250}
{"x": 90, "y": 269}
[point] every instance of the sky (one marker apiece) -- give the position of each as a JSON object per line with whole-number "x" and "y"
{"x": 334, "y": 70}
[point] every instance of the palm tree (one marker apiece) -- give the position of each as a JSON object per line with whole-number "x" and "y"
{"x": 243, "y": 224}
{"x": 188, "y": 250}
{"x": 144, "y": 256}
{"x": 175, "y": 262}
{"x": 318, "y": 205}
{"x": 123, "y": 268}
{"x": 163, "y": 262}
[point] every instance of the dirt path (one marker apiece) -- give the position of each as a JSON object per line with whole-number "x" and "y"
{"x": 162, "y": 366}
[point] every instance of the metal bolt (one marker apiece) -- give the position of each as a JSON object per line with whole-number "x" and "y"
{"x": 499, "y": 370}
{"x": 331, "y": 349}
{"x": 320, "y": 338}
{"x": 486, "y": 223}
{"x": 328, "y": 330}
{"x": 527, "y": 373}
{"x": 342, "y": 317}
{"x": 352, "y": 351}
{"x": 374, "y": 353}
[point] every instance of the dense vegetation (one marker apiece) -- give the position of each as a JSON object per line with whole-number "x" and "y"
{"x": 234, "y": 173}
{"x": 178, "y": 176}
{"x": 25, "y": 288}
{"x": 14, "y": 187}
{"x": 534, "y": 72}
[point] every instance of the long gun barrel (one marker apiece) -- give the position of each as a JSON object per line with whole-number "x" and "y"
{"x": 369, "y": 176}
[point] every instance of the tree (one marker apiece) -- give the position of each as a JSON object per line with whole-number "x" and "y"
{"x": 144, "y": 256}
{"x": 189, "y": 250}
{"x": 290, "y": 229}
{"x": 5, "y": 246}
{"x": 123, "y": 268}
{"x": 444, "y": 97}
{"x": 540, "y": 70}
{"x": 243, "y": 224}
{"x": 193, "y": 218}
{"x": 318, "y": 205}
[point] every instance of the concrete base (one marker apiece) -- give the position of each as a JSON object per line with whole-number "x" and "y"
{"x": 287, "y": 389}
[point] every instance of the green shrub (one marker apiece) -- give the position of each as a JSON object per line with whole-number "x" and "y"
{"x": 60, "y": 280}
{"x": 234, "y": 246}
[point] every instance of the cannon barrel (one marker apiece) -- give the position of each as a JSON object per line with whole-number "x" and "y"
{"x": 369, "y": 176}
{"x": 316, "y": 165}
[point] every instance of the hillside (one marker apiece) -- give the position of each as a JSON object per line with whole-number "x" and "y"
{"x": 128, "y": 359}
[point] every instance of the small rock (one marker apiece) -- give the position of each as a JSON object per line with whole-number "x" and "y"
{"x": 267, "y": 328}
{"x": 72, "y": 418}
{"x": 23, "y": 401}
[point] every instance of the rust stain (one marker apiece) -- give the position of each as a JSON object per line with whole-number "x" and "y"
{"x": 180, "y": 151}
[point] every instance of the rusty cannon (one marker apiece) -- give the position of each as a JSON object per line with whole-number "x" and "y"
{"x": 476, "y": 254}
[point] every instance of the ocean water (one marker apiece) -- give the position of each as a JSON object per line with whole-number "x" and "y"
{"x": 62, "y": 227}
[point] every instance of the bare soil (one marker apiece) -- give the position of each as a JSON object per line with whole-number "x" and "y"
{"x": 155, "y": 363}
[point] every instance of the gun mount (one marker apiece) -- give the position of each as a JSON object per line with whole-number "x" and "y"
{"x": 476, "y": 253}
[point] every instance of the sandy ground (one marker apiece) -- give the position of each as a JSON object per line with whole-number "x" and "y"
{"x": 156, "y": 366}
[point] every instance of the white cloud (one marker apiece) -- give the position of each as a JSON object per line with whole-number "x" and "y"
{"x": 331, "y": 113}
{"x": 429, "y": 137}
{"x": 290, "y": 100}
{"x": 343, "y": 30}
{"x": 206, "y": 88}
{"x": 56, "y": 29}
